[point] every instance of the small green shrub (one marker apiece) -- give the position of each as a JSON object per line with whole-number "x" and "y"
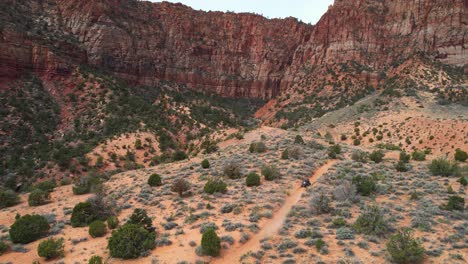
{"x": 285, "y": 154}
{"x": 371, "y": 222}
{"x": 28, "y": 228}
{"x": 154, "y": 180}
{"x": 38, "y": 197}
{"x": 131, "y": 241}
{"x": 405, "y": 249}
{"x": 3, "y": 247}
{"x": 205, "y": 164}
{"x": 8, "y": 198}
{"x": 455, "y": 203}
{"x": 463, "y": 181}
{"x": 112, "y": 222}
{"x": 377, "y": 156}
{"x": 232, "y": 170}
{"x": 404, "y": 157}
{"x": 270, "y": 172}
{"x": 47, "y": 186}
{"x": 97, "y": 229}
{"x": 180, "y": 186}
{"x": 401, "y": 166}
{"x": 442, "y": 167}
{"x": 356, "y": 142}
{"x": 179, "y": 155}
{"x": 215, "y": 186}
{"x": 299, "y": 140}
{"x": 51, "y": 248}
{"x": 359, "y": 156}
{"x": 320, "y": 204}
{"x": 364, "y": 185}
{"x": 253, "y": 179}
{"x": 95, "y": 260}
{"x": 418, "y": 155}
{"x": 333, "y": 151}
{"x": 460, "y": 155}
{"x": 211, "y": 243}
{"x": 83, "y": 214}
{"x": 257, "y": 147}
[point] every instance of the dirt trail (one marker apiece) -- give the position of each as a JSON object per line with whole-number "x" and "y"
{"x": 271, "y": 226}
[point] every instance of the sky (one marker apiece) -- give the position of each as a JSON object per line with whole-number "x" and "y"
{"x": 308, "y": 11}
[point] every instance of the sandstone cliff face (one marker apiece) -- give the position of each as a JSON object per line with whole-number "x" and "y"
{"x": 235, "y": 55}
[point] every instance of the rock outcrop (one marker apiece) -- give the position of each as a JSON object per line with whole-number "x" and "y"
{"x": 235, "y": 55}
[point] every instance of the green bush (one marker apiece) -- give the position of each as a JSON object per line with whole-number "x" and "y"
{"x": 257, "y": 147}
{"x": 455, "y": 203}
{"x": 83, "y": 214}
{"x": 285, "y": 154}
{"x": 442, "y": 167}
{"x": 232, "y": 170}
{"x": 463, "y": 181}
{"x": 356, "y": 142}
{"x": 364, "y": 185}
{"x": 131, "y": 241}
{"x": 38, "y": 197}
{"x": 3, "y": 247}
{"x": 180, "y": 186}
{"x": 461, "y": 155}
{"x": 270, "y": 172}
{"x": 418, "y": 155}
{"x": 215, "y": 186}
{"x": 28, "y": 228}
{"x": 211, "y": 243}
{"x": 154, "y": 180}
{"x": 299, "y": 140}
{"x": 377, "y": 156}
{"x": 401, "y": 166}
{"x": 47, "y": 186}
{"x": 320, "y": 204}
{"x": 86, "y": 185}
{"x": 405, "y": 249}
{"x": 205, "y": 164}
{"x": 404, "y": 157}
{"x": 371, "y": 222}
{"x": 95, "y": 260}
{"x": 97, "y": 229}
{"x": 50, "y": 248}
{"x": 179, "y": 155}
{"x": 253, "y": 179}
{"x": 8, "y": 198}
{"x": 112, "y": 222}
{"x": 141, "y": 218}
{"x": 333, "y": 151}
{"x": 359, "y": 156}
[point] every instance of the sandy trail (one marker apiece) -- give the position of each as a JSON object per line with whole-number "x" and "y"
{"x": 271, "y": 226}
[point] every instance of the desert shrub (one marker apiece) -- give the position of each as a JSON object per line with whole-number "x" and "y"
{"x": 455, "y": 203}
{"x": 299, "y": 140}
{"x": 257, "y": 147}
{"x": 295, "y": 152}
{"x": 442, "y": 167}
{"x": 365, "y": 185}
{"x": 205, "y": 164}
{"x": 344, "y": 233}
{"x": 344, "y": 191}
{"x": 403, "y": 248}
{"x": 270, "y": 172}
{"x": 463, "y": 181}
{"x": 343, "y": 137}
{"x": 38, "y": 197}
{"x": 131, "y": 241}
{"x": 180, "y": 186}
{"x": 319, "y": 244}
{"x": 333, "y": 151}
{"x": 418, "y": 155}
{"x": 141, "y": 218}
{"x": 86, "y": 185}
{"x": 8, "y": 198}
{"x": 47, "y": 186}
{"x": 401, "y": 166}
{"x": 371, "y": 222}
{"x": 359, "y": 156}
{"x": 404, "y": 157}
{"x": 232, "y": 170}
{"x": 211, "y": 243}
{"x": 50, "y": 248}
{"x": 154, "y": 180}
{"x": 84, "y": 214}
{"x": 356, "y": 142}
{"x": 112, "y": 222}
{"x": 320, "y": 204}
{"x": 3, "y": 247}
{"x": 460, "y": 155}
{"x": 179, "y": 155}
{"x": 253, "y": 179}
{"x": 28, "y": 228}
{"x": 97, "y": 229}
{"x": 285, "y": 154}
{"x": 95, "y": 260}
{"x": 376, "y": 156}
{"x": 215, "y": 186}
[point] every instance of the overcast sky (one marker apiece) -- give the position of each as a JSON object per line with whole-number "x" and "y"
{"x": 308, "y": 11}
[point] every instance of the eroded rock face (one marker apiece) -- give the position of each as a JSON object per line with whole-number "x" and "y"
{"x": 235, "y": 55}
